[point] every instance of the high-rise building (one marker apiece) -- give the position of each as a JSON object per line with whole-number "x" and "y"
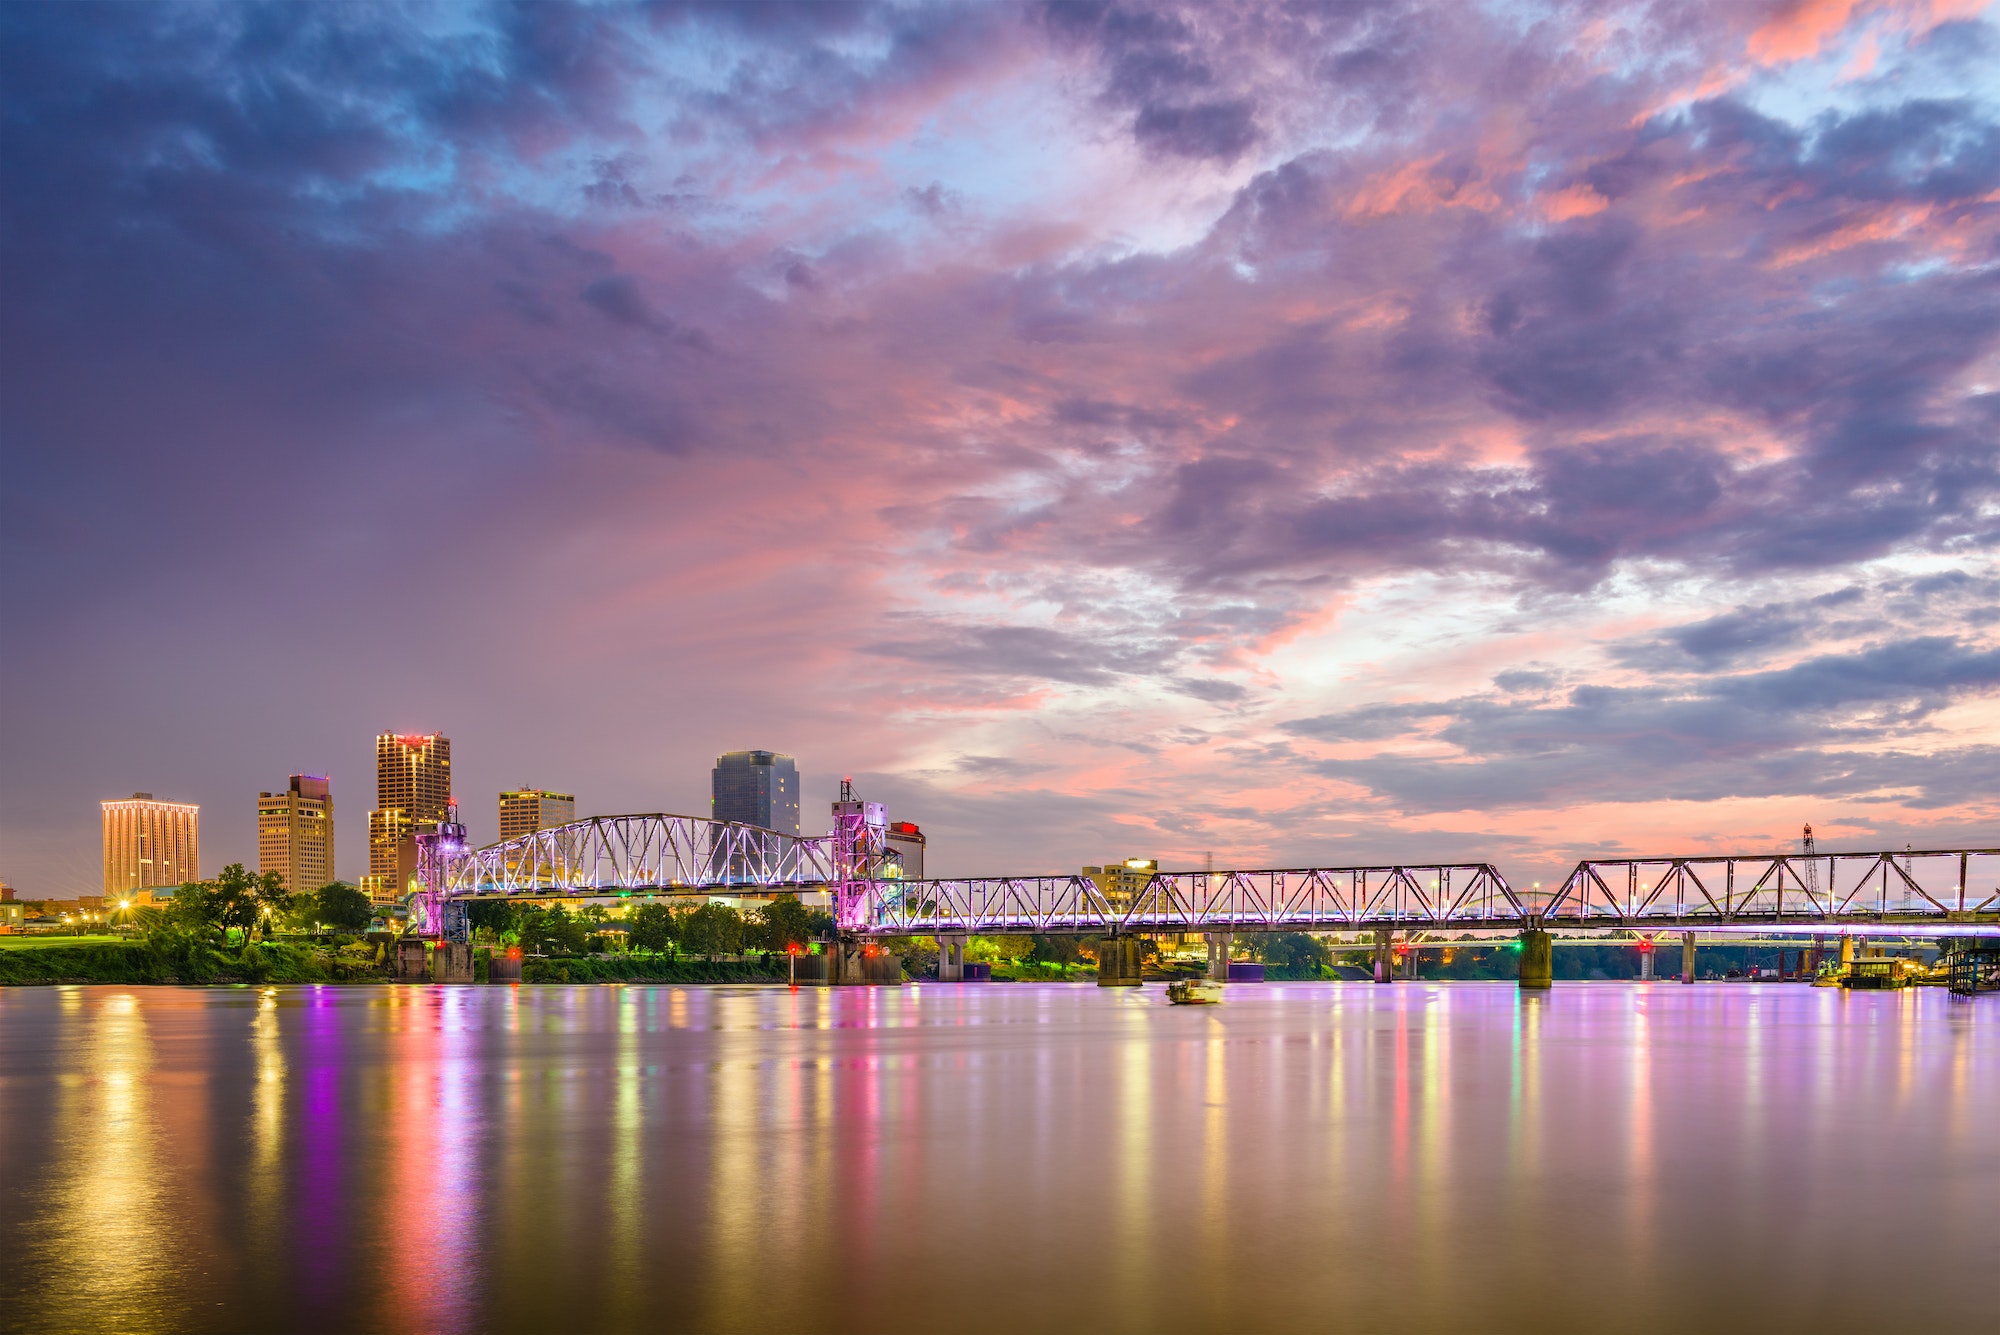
{"x": 907, "y": 842}
{"x": 295, "y": 833}
{"x": 757, "y": 788}
{"x": 1123, "y": 882}
{"x": 412, "y": 793}
{"x": 148, "y": 845}
{"x": 526, "y": 810}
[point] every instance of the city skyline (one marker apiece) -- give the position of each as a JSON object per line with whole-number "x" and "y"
{"x": 1302, "y": 438}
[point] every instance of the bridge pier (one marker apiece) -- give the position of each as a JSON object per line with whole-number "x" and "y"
{"x": 1646, "y": 960}
{"x": 854, "y": 963}
{"x": 1687, "y": 957}
{"x": 1385, "y": 957}
{"x": 1118, "y": 961}
{"x": 1219, "y": 946}
{"x": 1538, "y": 959}
{"x": 951, "y": 957}
{"x": 1846, "y": 952}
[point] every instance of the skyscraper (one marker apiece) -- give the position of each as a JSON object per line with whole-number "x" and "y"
{"x": 757, "y": 788}
{"x": 526, "y": 810}
{"x": 412, "y": 791}
{"x": 295, "y": 833}
{"x": 149, "y": 844}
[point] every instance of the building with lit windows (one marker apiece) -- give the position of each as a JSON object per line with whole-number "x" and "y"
{"x": 295, "y": 833}
{"x": 526, "y": 810}
{"x": 906, "y": 841}
{"x": 1122, "y": 883}
{"x": 412, "y": 793}
{"x": 757, "y": 788}
{"x": 149, "y": 845}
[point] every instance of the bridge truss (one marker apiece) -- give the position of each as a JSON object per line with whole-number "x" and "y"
{"x": 652, "y": 853}
{"x": 661, "y": 854}
{"x": 1310, "y": 899}
{"x": 1936, "y": 885}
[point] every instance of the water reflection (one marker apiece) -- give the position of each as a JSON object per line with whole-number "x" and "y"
{"x": 1427, "y": 1157}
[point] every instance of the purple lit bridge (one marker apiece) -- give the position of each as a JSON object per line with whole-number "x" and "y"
{"x": 667, "y": 855}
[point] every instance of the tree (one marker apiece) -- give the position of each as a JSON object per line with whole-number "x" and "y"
{"x": 498, "y": 916}
{"x": 999, "y": 949}
{"x": 242, "y": 900}
{"x": 784, "y": 923}
{"x": 655, "y": 928}
{"x": 341, "y": 905}
{"x": 713, "y": 929}
{"x": 1054, "y": 949}
{"x": 1291, "y": 954}
{"x": 553, "y": 930}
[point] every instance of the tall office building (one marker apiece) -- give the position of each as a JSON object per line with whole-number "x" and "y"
{"x": 295, "y": 833}
{"x": 757, "y": 788}
{"x": 412, "y": 792}
{"x": 149, "y": 844}
{"x": 526, "y": 810}
{"x": 906, "y": 841}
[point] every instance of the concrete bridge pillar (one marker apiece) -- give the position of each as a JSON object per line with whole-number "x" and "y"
{"x": 1538, "y": 959}
{"x": 1385, "y": 957}
{"x": 1118, "y": 961}
{"x": 1687, "y": 957}
{"x": 1646, "y": 960}
{"x": 1846, "y": 952}
{"x": 951, "y": 957}
{"x": 1818, "y": 953}
{"x": 1219, "y": 945}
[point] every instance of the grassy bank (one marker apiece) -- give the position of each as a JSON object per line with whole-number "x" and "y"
{"x": 651, "y": 969}
{"x": 100, "y": 961}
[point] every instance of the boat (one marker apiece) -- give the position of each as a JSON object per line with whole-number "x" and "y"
{"x": 1194, "y": 992}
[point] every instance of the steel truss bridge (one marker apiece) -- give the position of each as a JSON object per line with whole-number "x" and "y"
{"x": 1829, "y": 890}
{"x": 663, "y": 854}
{"x": 654, "y": 854}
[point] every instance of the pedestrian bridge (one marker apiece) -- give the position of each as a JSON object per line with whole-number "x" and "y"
{"x": 660, "y": 854}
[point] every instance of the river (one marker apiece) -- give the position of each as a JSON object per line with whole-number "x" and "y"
{"x": 996, "y": 1157}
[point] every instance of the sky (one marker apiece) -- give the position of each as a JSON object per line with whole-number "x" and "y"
{"x": 1292, "y": 434}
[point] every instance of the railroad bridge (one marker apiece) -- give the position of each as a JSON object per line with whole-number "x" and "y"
{"x": 1921, "y": 891}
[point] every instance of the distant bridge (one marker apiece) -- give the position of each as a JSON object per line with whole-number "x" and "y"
{"x": 661, "y": 854}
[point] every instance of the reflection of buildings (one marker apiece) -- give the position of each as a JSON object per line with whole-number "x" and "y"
{"x": 757, "y": 788}
{"x": 907, "y": 842}
{"x": 295, "y": 833}
{"x": 526, "y": 810}
{"x": 149, "y": 844}
{"x": 412, "y": 791}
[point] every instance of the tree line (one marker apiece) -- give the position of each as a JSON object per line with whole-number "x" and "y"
{"x": 709, "y": 930}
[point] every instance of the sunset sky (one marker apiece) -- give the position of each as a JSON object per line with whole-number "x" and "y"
{"x": 1306, "y": 434}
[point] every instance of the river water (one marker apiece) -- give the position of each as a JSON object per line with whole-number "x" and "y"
{"x": 1417, "y": 1157}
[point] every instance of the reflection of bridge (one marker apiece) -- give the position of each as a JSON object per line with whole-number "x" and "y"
{"x": 686, "y": 855}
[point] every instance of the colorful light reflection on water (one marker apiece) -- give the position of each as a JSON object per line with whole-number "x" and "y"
{"x": 987, "y": 1157}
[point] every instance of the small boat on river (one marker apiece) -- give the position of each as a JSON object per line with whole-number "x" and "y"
{"x": 1194, "y": 992}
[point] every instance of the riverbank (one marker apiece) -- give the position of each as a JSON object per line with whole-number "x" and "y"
{"x": 86, "y": 960}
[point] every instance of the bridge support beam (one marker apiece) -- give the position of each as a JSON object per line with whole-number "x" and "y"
{"x": 1538, "y": 960}
{"x": 1219, "y": 946}
{"x": 1687, "y": 957}
{"x": 1846, "y": 952}
{"x": 951, "y": 957}
{"x": 1646, "y": 960}
{"x": 1118, "y": 961}
{"x": 1385, "y": 957}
